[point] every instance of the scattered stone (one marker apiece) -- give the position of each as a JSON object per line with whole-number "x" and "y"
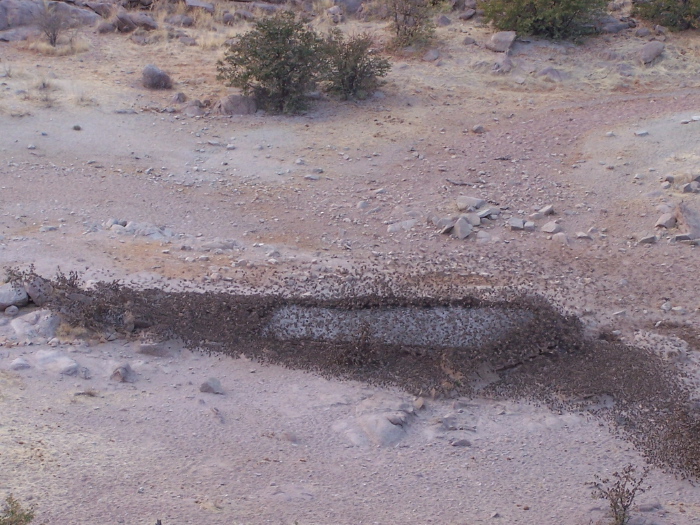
{"x": 198, "y": 4}
{"x": 667, "y": 220}
{"x": 651, "y": 51}
{"x": 467, "y": 14}
{"x": 516, "y": 224}
{"x": 181, "y": 20}
{"x": 469, "y": 203}
{"x": 401, "y": 226}
{"x": 39, "y": 324}
{"x": 472, "y": 218}
{"x": 550, "y": 74}
{"x": 551, "y": 227}
{"x": 489, "y": 213}
{"x": 461, "y": 443}
{"x": 236, "y": 105}
{"x": 461, "y": 229}
{"x": 483, "y": 237}
{"x": 55, "y": 361}
{"x": 584, "y": 236}
{"x": 144, "y": 21}
{"x": 123, "y": 374}
{"x": 646, "y": 238}
{"x": 431, "y": 56}
{"x": 501, "y": 42}
{"x": 19, "y": 364}
{"x": 211, "y": 386}
{"x": 12, "y": 294}
{"x": 443, "y": 20}
{"x": 641, "y": 133}
{"x": 468, "y": 41}
{"x": 561, "y": 238}
{"x": 547, "y": 210}
{"x": 478, "y": 129}
{"x": 11, "y": 310}
{"x": 155, "y": 78}
{"x": 642, "y": 32}
{"x": 529, "y": 226}
{"x": 179, "y": 98}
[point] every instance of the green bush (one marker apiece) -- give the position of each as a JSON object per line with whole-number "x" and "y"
{"x": 14, "y": 514}
{"x": 675, "y": 14}
{"x": 411, "y": 22}
{"x": 351, "y": 69}
{"x": 277, "y": 62}
{"x": 548, "y": 18}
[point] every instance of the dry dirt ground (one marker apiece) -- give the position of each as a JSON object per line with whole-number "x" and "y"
{"x": 284, "y": 446}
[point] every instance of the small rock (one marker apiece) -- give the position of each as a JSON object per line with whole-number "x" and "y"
{"x": 584, "y": 236}
{"x": 501, "y": 41}
{"x": 516, "y": 224}
{"x": 211, "y": 386}
{"x": 462, "y": 229}
{"x": 19, "y": 364}
{"x": 547, "y": 210}
{"x": 11, "y": 310}
{"x": 123, "y": 374}
{"x": 155, "y": 78}
{"x": 461, "y": 443}
{"x": 641, "y": 32}
{"x": 12, "y": 294}
{"x": 236, "y": 105}
{"x": 644, "y": 238}
{"x": 550, "y": 74}
{"x": 468, "y": 41}
{"x": 469, "y": 203}
{"x": 55, "y": 361}
{"x": 467, "y": 14}
{"x": 651, "y": 51}
{"x": 402, "y": 226}
{"x": 529, "y": 226}
{"x": 551, "y": 227}
{"x": 431, "y": 56}
{"x": 443, "y": 20}
{"x": 478, "y": 129}
{"x": 561, "y": 238}
{"x": 641, "y": 133}
{"x": 667, "y": 220}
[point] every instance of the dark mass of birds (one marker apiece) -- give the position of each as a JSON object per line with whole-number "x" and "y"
{"x": 536, "y": 352}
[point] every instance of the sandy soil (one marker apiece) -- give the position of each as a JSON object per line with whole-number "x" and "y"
{"x": 284, "y": 446}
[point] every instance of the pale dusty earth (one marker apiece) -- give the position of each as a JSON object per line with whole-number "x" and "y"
{"x": 284, "y": 446}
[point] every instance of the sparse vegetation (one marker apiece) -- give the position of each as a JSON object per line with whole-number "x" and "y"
{"x": 14, "y": 514}
{"x": 620, "y": 492}
{"x": 52, "y": 23}
{"x": 352, "y": 70}
{"x": 549, "y": 18}
{"x": 411, "y": 22}
{"x": 278, "y": 62}
{"x": 675, "y": 14}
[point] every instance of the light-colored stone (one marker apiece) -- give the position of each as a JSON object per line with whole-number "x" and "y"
{"x": 516, "y": 223}
{"x": 123, "y": 374}
{"x": 39, "y": 324}
{"x": 211, "y": 386}
{"x": 551, "y": 227}
{"x": 651, "y": 51}
{"x": 561, "y": 238}
{"x": 667, "y": 220}
{"x": 469, "y": 203}
{"x": 501, "y": 41}
{"x": 19, "y": 364}
{"x": 401, "y": 226}
{"x": 55, "y": 361}
{"x": 13, "y": 294}
{"x": 236, "y": 105}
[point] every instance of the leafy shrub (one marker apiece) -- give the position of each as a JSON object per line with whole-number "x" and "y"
{"x": 548, "y": 18}
{"x": 620, "y": 492}
{"x": 676, "y": 14}
{"x": 351, "y": 69}
{"x": 14, "y": 514}
{"x": 277, "y": 62}
{"x": 411, "y": 22}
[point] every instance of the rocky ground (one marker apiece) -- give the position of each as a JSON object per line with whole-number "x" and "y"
{"x": 566, "y": 170}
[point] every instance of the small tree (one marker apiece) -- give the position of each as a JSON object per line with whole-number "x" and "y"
{"x": 52, "y": 23}
{"x": 676, "y": 14}
{"x": 351, "y": 69}
{"x": 277, "y": 62}
{"x": 14, "y": 514}
{"x": 548, "y": 18}
{"x": 620, "y": 492}
{"x": 411, "y": 22}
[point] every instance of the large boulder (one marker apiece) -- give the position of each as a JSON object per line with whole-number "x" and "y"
{"x": 16, "y": 13}
{"x": 74, "y": 15}
{"x": 236, "y": 105}
{"x": 12, "y": 294}
{"x": 39, "y": 324}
